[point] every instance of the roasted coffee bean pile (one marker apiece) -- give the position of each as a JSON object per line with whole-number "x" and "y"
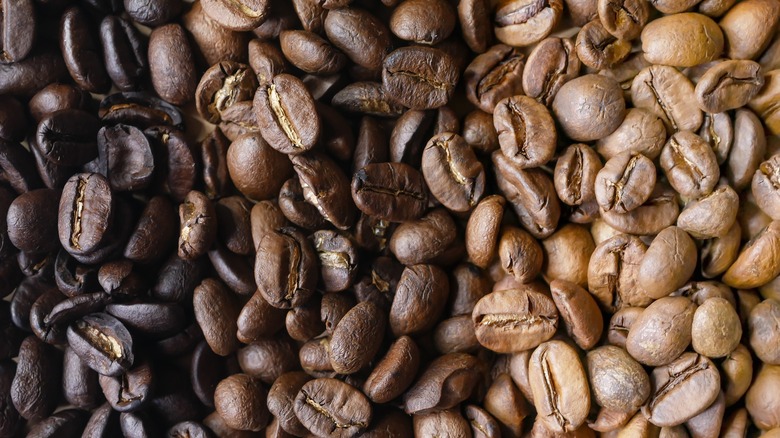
{"x": 395, "y": 218}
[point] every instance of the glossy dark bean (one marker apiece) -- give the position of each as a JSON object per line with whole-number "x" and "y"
{"x": 81, "y": 51}
{"x": 103, "y": 343}
{"x": 36, "y": 385}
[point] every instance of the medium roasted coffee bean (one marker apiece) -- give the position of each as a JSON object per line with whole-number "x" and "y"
{"x": 599, "y": 49}
{"x": 493, "y": 76}
{"x": 172, "y": 64}
{"x": 624, "y": 18}
{"x": 551, "y": 63}
{"x": 728, "y": 85}
{"x": 567, "y": 253}
{"x": 662, "y": 332}
{"x": 479, "y": 132}
{"x": 667, "y": 93}
{"x": 587, "y": 98}
{"x": 85, "y": 213}
{"x": 659, "y": 274}
{"x": 281, "y": 400}
{"x": 474, "y": 17}
{"x": 446, "y": 381}
{"x": 452, "y": 172}
{"x": 580, "y": 314}
{"x": 237, "y": 15}
{"x": 215, "y": 42}
{"x": 764, "y": 186}
{"x": 520, "y": 254}
{"x": 333, "y": 308}
{"x": 690, "y": 164}
{"x": 285, "y": 268}
{"x": 368, "y": 98}
{"x": 124, "y": 52}
{"x": 662, "y": 40}
{"x": 513, "y": 320}
{"x": 748, "y": 28}
{"x": 67, "y": 137}
{"x": 560, "y": 386}
{"x": 483, "y": 425}
{"x": 257, "y": 170}
{"x": 613, "y": 273}
{"x": 36, "y": 385}
{"x": 216, "y": 311}
{"x": 81, "y": 52}
{"x": 311, "y": 53}
{"x": 618, "y": 381}
{"x": 295, "y": 208}
{"x": 716, "y": 315}
{"x": 718, "y": 253}
{"x": 395, "y": 372}
{"x": 641, "y": 132}
{"x": 419, "y": 77}
{"x": 284, "y": 110}
{"x": 525, "y": 22}
{"x": 576, "y": 174}
{"x": 198, "y": 221}
{"x": 423, "y": 240}
{"x": 267, "y": 359}
{"x": 747, "y": 150}
{"x": 349, "y": 354}
{"x": 131, "y": 390}
{"x": 482, "y": 230}
{"x": 764, "y": 330}
{"x": 526, "y": 131}
{"x": 392, "y": 191}
{"x": 762, "y": 102}
{"x": 240, "y": 401}
{"x": 681, "y": 390}
{"x": 449, "y": 423}
{"x": 18, "y": 28}
{"x": 338, "y": 259}
{"x": 506, "y": 403}
{"x": 419, "y": 300}
{"x": 531, "y": 193}
{"x": 626, "y": 182}
{"x": 710, "y": 216}
{"x": 410, "y": 21}
{"x": 221, "y": 86}
{"x": 326, "y": 187}
{"x": 103, "y": 343}
{"x": 359, "y": 34}
{"x": 332, "y": 407}
{"x": 155, "y": 232}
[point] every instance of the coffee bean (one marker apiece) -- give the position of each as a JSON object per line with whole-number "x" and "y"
{"x": 588, "y": 98}
{"x": 689, "y": 164}
{"x": 152, "y": 13}
{"x": 68, "y": 422}
{"x": 550, "y": 64}
{"x": 360, "y": 35}
{"x": 19, "y": 30}
{"x": 419, "y": 77}
{"x": 618, "y": 381}
{"x": 67, "y": 137}
{"x": 124, "y": 52}
{"x": 728, "y": 85}
{"x": 395, "y": 372}
{"x": 130, "y": 391}
{"x": 525, "y": 131}
{"x": 28, "y": 76}
{"x": 348, "y": 354}
{"x": 311, "y": 53}
{"x": 761, "y": 400}
{"x": 514, "y": 320}
{"x": 493, "y": 76}
{"x": 237, "y": 15}
{"x": 221, "y": 86}
{"x": 326, "y": 187}
{"x": 35, "y": 387}
{"x": 641, "y": 132}
{"x": 410, "y": 21}
{"x": 392, "y": 191}
{"x": 625, "y": 182}
{"x": 216, "y": 312}
{"x": 764, "y": 330}
{"x": 624, "y": 18}
{"x": 523, "y": 23}
{"x": 598, "y": 48}
{"x": 368, "y": 98}
{"x": 285, "y": 268}
{"x": 474, "y": 19}
{"x": 428, "y": 394}
{"x": 171, "y": 64}
{"x": 667, "y": 93}
{"x": 125, "y": 157}
{"x": 281, "y": 400}
{"x": 652, "y": 345}
{"x": 103, "y": 343}
{"x": 659, "y": 274}
{"x": 422, "y": 240}
{"x": 448, "y": 421}
{"x": 338, "y": 260}
{"x": 240, "y": 402}
{"x": 280, "y": 106}
{"x": 748, "y": 28}
{"x": 327, "y": 405}
{"x": 267, "y": 359}
{"x": 419, "y": 299}
{"x": 81, "y": 53}
{"x": 85, "y": 213}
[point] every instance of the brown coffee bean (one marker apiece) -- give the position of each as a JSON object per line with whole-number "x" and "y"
{"x": 483, "y": 425}
{"x": 285, "y": 268}
{"x": 668, "y": 263}
{"x": 764, "y": 330}
{"x": 716, "y": 315}
{"x": 419, "y": 299}
{"x": 526, "y": 131}
{"x": 452, "y": 172}
{"x": 311, "y": 53}
{"x": 368, "y": 98}
{"x": 681, "y": 390}
{"x": 620, "y": 324}
{"x": 682, "y": 40}
{"x": 216, "y": 312}
{"x": 520, "y": 254}
{"x": 667, "y": 93}
{"x": 349, "y": 354}
{"x": 360, "y": 35}
{"x": 513, "y": 320}
{"x": 586, "y": 99}
{"x": 690, "y": 164}
{"x": 419, "y": 77}
{"x": 660, "y": 211}
{"x": 170, "y": 51}
{"x": 523, "y": 22}
{"x": 482, "y": 230}
{"x": 281, "y": 399}
{"x": 728, "y": 85}
{"x": 257, "y": 170}
{"x": 641, "y": 132}
{"x": 619, "y": 383}
{"x": 560, "y": 386}
{"x": 624, "y": 19}
{"x": 394, "y": 373}
{"x": 326, "y": 187}
{"x": 662, "y": 332}
{"x": 215, "y": 42}
{"x": 422, "y": 240}
{"x": 599, "y": 49}
{"x": 333, "y": 408}
{"x": 286, "y": 115}
{"x": 567, "y": 254}
{"x": 198, "y": 220}
{"x": 761, "y": 400}
{"x": 410, "y": 21}
{"x": 580, "y": 314}
{"x": 240, "y": 401}
{"x": 756, "y": 264}
{"x": 34, "y": 388}
{"x": 614, "y": 270}
{"x": 551, "y": 63}
{"x": 493, "y": 76}
{"x": 575, "y": 174}
{"x": 448, "y": 423}
{"x": 447, "y": 381}
{"x": 626, "y": 182}
{"x": 711, "y": 216}
{"x": 392, "y": 191}
{"x": 505, "y": 402}
{"x": 237, "y": 15}
{"x": 748, "y": 27}
{"x": 748, "y": 149}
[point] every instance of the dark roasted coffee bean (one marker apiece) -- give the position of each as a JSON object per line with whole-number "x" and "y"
{"x": 42, "y": 307}
{"x": 56, "y": 97}
{"x": 137, "y": 425}
{"x": 419, "y": 77}
{"x": 103, "y": 343}
{"x": 81, "y": 51}
{"x": 413, "y": 311}
{"x": 154, "y": 320}
{"x": 409, "y": 21}
{"x": 327, "y": 405}
{"x": 311, "y": 53}
{"x": 131, "y": 390}
{"x": 170, "y": 51}
{"x": 285, "y": 268}
{"x": 216, "y": 176}
{"x": 251, "y": 412}
{"x": 36, "y": 386}
{"x": 198, "y": 221}
{"x": 207, "y": 369}
{"x": 140, "y": 110}
{"x": 31, "y": 221}
{"x": 216, "y": 311}
{"x": 349, "y": 354}
{"x": 17, "y": 167}
{"x": 222, "y": 85}
{"x": 125, "y": 157}
{"x": 68, "y": 137}
{"x": 18, "y": 29}
{"x": 66, "y": 423}
{"x": 303, "y": 322}
{"x": 237, "y": 15}
{"x": 267, "y": 359}
{"x": 10, "y": 420}
{"x": 85, "y": 213}
{"x": 155, "y": 232}
{"x": 215, "y": 42}
{"x": 152, "y": 13}
{"x": 103, "y": 423}
{"x": 27, "y": 77}
{"x": 525, "y": 22}
{"x": 13, "y": 120}
{"x": 79, "y": 382}
{"x": 369, "y": 98}
{"x": 124, "y": 52}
